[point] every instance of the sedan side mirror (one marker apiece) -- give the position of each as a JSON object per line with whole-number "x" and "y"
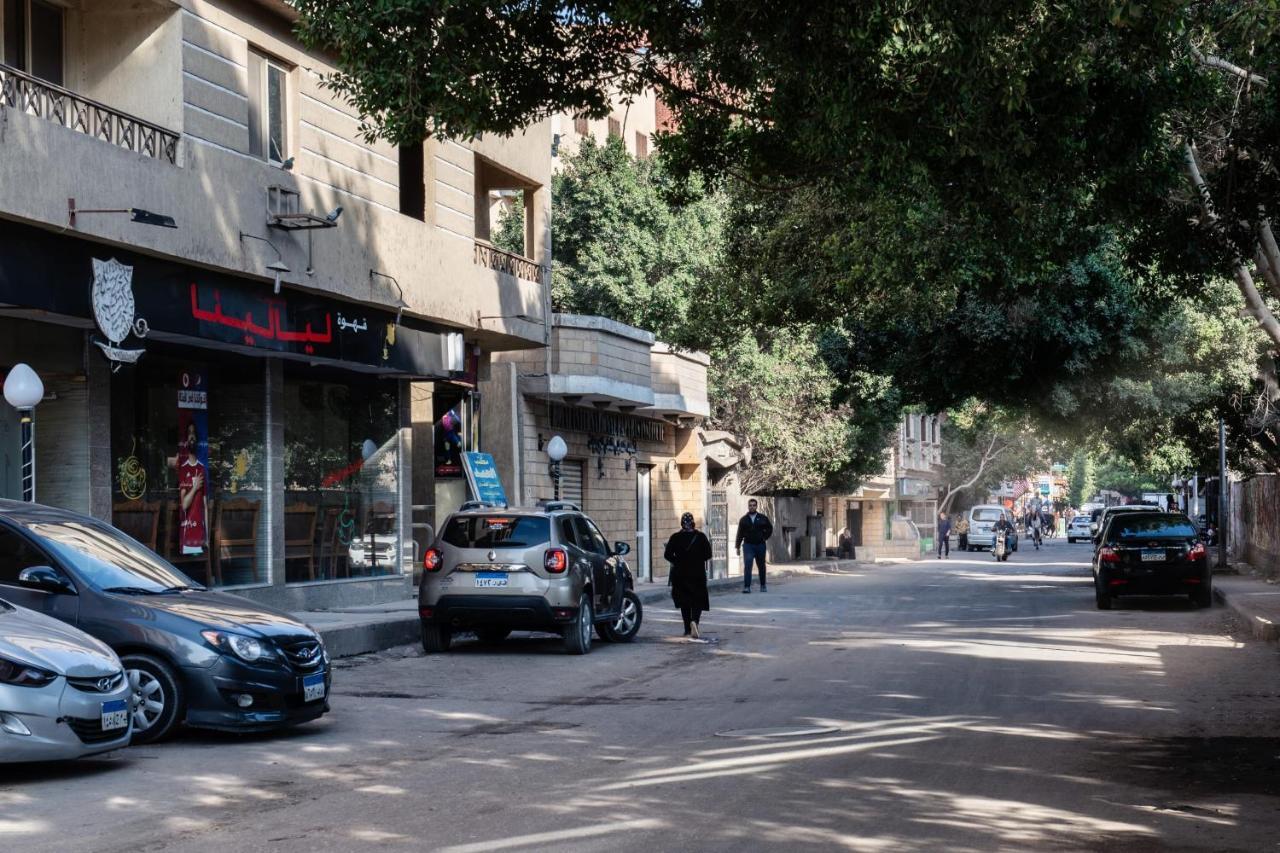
{"x": 44, "y": 578}
{"x": 621, "y": 548}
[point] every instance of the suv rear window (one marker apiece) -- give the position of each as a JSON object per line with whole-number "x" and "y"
{"x": 497, "y": 531}
{"x": 1124, "y": 529}
{"x": 986, "y": 514}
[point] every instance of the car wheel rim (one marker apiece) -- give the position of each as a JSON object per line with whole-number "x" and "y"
{"x": 627, "y": 621}
{"x": 148, "y": 699}
{"x": 584, "y": 627}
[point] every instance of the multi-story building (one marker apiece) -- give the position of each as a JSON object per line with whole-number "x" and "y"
{"x": 894, "y": 514}
{"x": 231, "y": 294}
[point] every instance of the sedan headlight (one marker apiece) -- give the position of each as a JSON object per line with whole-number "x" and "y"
{"x": 247, "y": 649}
{"x": 21, "y": 675}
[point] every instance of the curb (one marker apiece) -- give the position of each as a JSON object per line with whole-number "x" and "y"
{"x": 362, "y": 636}
{"x": 1261, "y": 627}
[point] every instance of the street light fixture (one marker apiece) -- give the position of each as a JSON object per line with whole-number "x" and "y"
{"x": 556, "y": 451}
{"x": 23, "y": 390}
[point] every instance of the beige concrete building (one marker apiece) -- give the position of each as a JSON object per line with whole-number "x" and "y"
{"x": 893, "y": 515}
{"x": 322, "y": 303}
{"x": 633, "y": 119}
{"x": 629, "y": 409}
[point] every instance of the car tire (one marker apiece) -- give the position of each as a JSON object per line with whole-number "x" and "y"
{"x": 153, "y": 682}
{"x": 577, "y": 636}
{"x": 627, "y": 625}
{"x": 1101, "y": 595}
{"x": 492, "y": 636}
{"x": 1203, "y": 597}
{"x": 435, "y": 638}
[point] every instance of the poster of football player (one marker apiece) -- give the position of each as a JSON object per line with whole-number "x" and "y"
{"x": 193, "y": 462}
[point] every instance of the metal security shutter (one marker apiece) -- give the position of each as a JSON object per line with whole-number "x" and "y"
{"x": 571, "y": 481}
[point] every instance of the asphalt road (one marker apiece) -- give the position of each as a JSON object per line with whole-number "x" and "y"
{"x": 966, "y": 706}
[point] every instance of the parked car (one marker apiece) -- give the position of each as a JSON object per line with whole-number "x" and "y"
{"x": 377, "y": 546}
{"x": 63, "y": 694}
{"x": 982, "y": 521}
{"x": 209, "y": 659}
{"x": 495, "y": 570}
{"x": 1078, "y": 528}
{"x": 1100, "y": 523}
{"x": 1151, "y": 553}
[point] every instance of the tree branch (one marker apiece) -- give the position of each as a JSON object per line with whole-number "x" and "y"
{"x": 988, "y": 456}
{"x": 1221, "y": 64}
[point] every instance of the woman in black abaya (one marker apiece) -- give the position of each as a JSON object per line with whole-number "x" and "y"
{"x": 688, "y": 551}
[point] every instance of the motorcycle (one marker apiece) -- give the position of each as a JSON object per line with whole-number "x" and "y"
{"x": 1000, "y": 550}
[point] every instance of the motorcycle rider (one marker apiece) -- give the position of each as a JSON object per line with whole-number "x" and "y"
{"x": 1005, "y": 526}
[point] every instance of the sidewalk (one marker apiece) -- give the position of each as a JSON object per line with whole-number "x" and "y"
{"x": 372, "y": 628}
{"x": 1254, "y": 600}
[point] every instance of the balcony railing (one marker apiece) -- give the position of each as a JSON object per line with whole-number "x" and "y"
{"x": 43, "y": 99}
{"x": 489, "y": 255}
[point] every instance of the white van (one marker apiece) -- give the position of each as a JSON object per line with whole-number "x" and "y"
{"x": 982, "y": 522}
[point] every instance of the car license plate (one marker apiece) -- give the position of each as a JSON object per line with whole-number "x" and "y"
{"x": 313, "y": 687}
{"x": 1156, "y": 555}
{"x": 115, "y": 715}
{"x": 491, "y": 579}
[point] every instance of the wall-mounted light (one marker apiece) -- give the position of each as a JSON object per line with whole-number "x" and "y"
{"x": 392, "y": 279}
{"x": 277, "y": 267}
{"x": 136, "y": 214}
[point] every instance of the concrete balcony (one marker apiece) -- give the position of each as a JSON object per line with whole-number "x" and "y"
{"x": 679, "y": 382}
{"x": 599, "y": 362}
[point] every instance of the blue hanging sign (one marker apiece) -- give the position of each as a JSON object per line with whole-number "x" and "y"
{"x": 482, "y": 475}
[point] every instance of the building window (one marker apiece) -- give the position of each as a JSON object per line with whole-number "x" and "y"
{"x": 268, "y": 108}
{"x": 413, "y": 184}
{"x": 341, "y": 477}
{"x": 615, "y": 127}
{"x": 642, "y": 145}
{"x": 580, "y": 126}
{"x": 189, "y": 445}
{"x": 33, "y": 38}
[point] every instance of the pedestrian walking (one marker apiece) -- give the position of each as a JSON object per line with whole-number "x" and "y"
{"x": 687, "y": 551}
{"x": 944, "y": 535}
{"x": 754, "y": 530}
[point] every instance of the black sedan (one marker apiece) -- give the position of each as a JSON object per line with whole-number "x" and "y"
{"x": 208, "y": 659}
{"x": 1151, "y": 553}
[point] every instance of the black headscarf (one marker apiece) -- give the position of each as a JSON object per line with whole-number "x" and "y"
{"x": 686, "y": 521}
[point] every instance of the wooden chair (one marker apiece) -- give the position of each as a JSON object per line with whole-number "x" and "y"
{"x": 333, "y": 554}
{"x": 300, "y": 535}
{"x": 140, "y": 520}
{"x": 235, "y": 532}
{"x": 172, "y": 551}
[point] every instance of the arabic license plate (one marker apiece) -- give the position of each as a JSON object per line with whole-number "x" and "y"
{"x": 115, "y": 715}
{"x": 490, "y": 579}
{"x": 1153, "y": 555}
{"x": 313, "y": 687}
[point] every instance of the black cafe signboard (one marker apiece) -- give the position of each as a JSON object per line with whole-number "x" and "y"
{"x": 131, "y": 296}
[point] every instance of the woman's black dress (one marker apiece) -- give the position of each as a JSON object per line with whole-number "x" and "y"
{"x": 688, "y": 552}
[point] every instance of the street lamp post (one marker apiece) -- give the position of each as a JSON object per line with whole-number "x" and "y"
{"x": 24, "y": 390}
{"x": 556, "y": 451}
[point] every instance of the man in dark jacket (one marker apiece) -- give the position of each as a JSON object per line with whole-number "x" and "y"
{"x": 754, "y": 530}
{"x": 944, "y": 535}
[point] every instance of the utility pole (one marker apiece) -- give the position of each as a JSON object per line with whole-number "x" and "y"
{"x": 1222, "y": 493}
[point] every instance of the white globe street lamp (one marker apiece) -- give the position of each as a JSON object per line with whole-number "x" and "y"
{"x": 23, "y": 390}
{"x": 556, "y": 451}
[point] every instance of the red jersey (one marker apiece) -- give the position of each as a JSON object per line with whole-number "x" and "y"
{"x": 193, "y": 535}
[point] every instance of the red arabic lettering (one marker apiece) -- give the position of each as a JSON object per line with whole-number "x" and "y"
{"x": 335, "y": 477}
{"x": 274, "y": 330}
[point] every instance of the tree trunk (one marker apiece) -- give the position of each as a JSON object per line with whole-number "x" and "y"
{"x": 988, "y": 456}
{"x": 1244, "y": 279}
{"x": 1269, "y": 257}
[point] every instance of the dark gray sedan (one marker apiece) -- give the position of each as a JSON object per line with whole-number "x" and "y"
{"x": 208, "y": 659}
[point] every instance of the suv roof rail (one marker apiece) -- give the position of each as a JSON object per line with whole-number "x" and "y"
{"x": 556, "y": 506}
{"x": 469, "y": 505}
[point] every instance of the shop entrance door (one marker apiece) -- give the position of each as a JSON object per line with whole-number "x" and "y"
{"x": 10, "y": 453}
{"x": 853, "y": 520}
{"x": 644, "y": 523}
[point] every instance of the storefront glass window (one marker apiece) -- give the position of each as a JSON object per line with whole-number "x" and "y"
{"x": 341, "y": 477}
{"x": 188, "y": 443}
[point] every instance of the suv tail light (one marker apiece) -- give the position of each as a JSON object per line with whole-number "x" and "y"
{"x": 556, "y": 560}
{"x": 432, "y": 559}
{"x": 1108, "y": 555}
{"x": 1197, "y": 552}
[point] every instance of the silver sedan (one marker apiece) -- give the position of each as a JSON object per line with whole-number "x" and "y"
{"x": 63, "y": 694}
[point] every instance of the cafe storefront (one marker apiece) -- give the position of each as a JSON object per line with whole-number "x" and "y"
{"x": 258, "y": 441}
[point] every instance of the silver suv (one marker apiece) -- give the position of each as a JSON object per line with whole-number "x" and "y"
{"x": 493, "y": 570}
